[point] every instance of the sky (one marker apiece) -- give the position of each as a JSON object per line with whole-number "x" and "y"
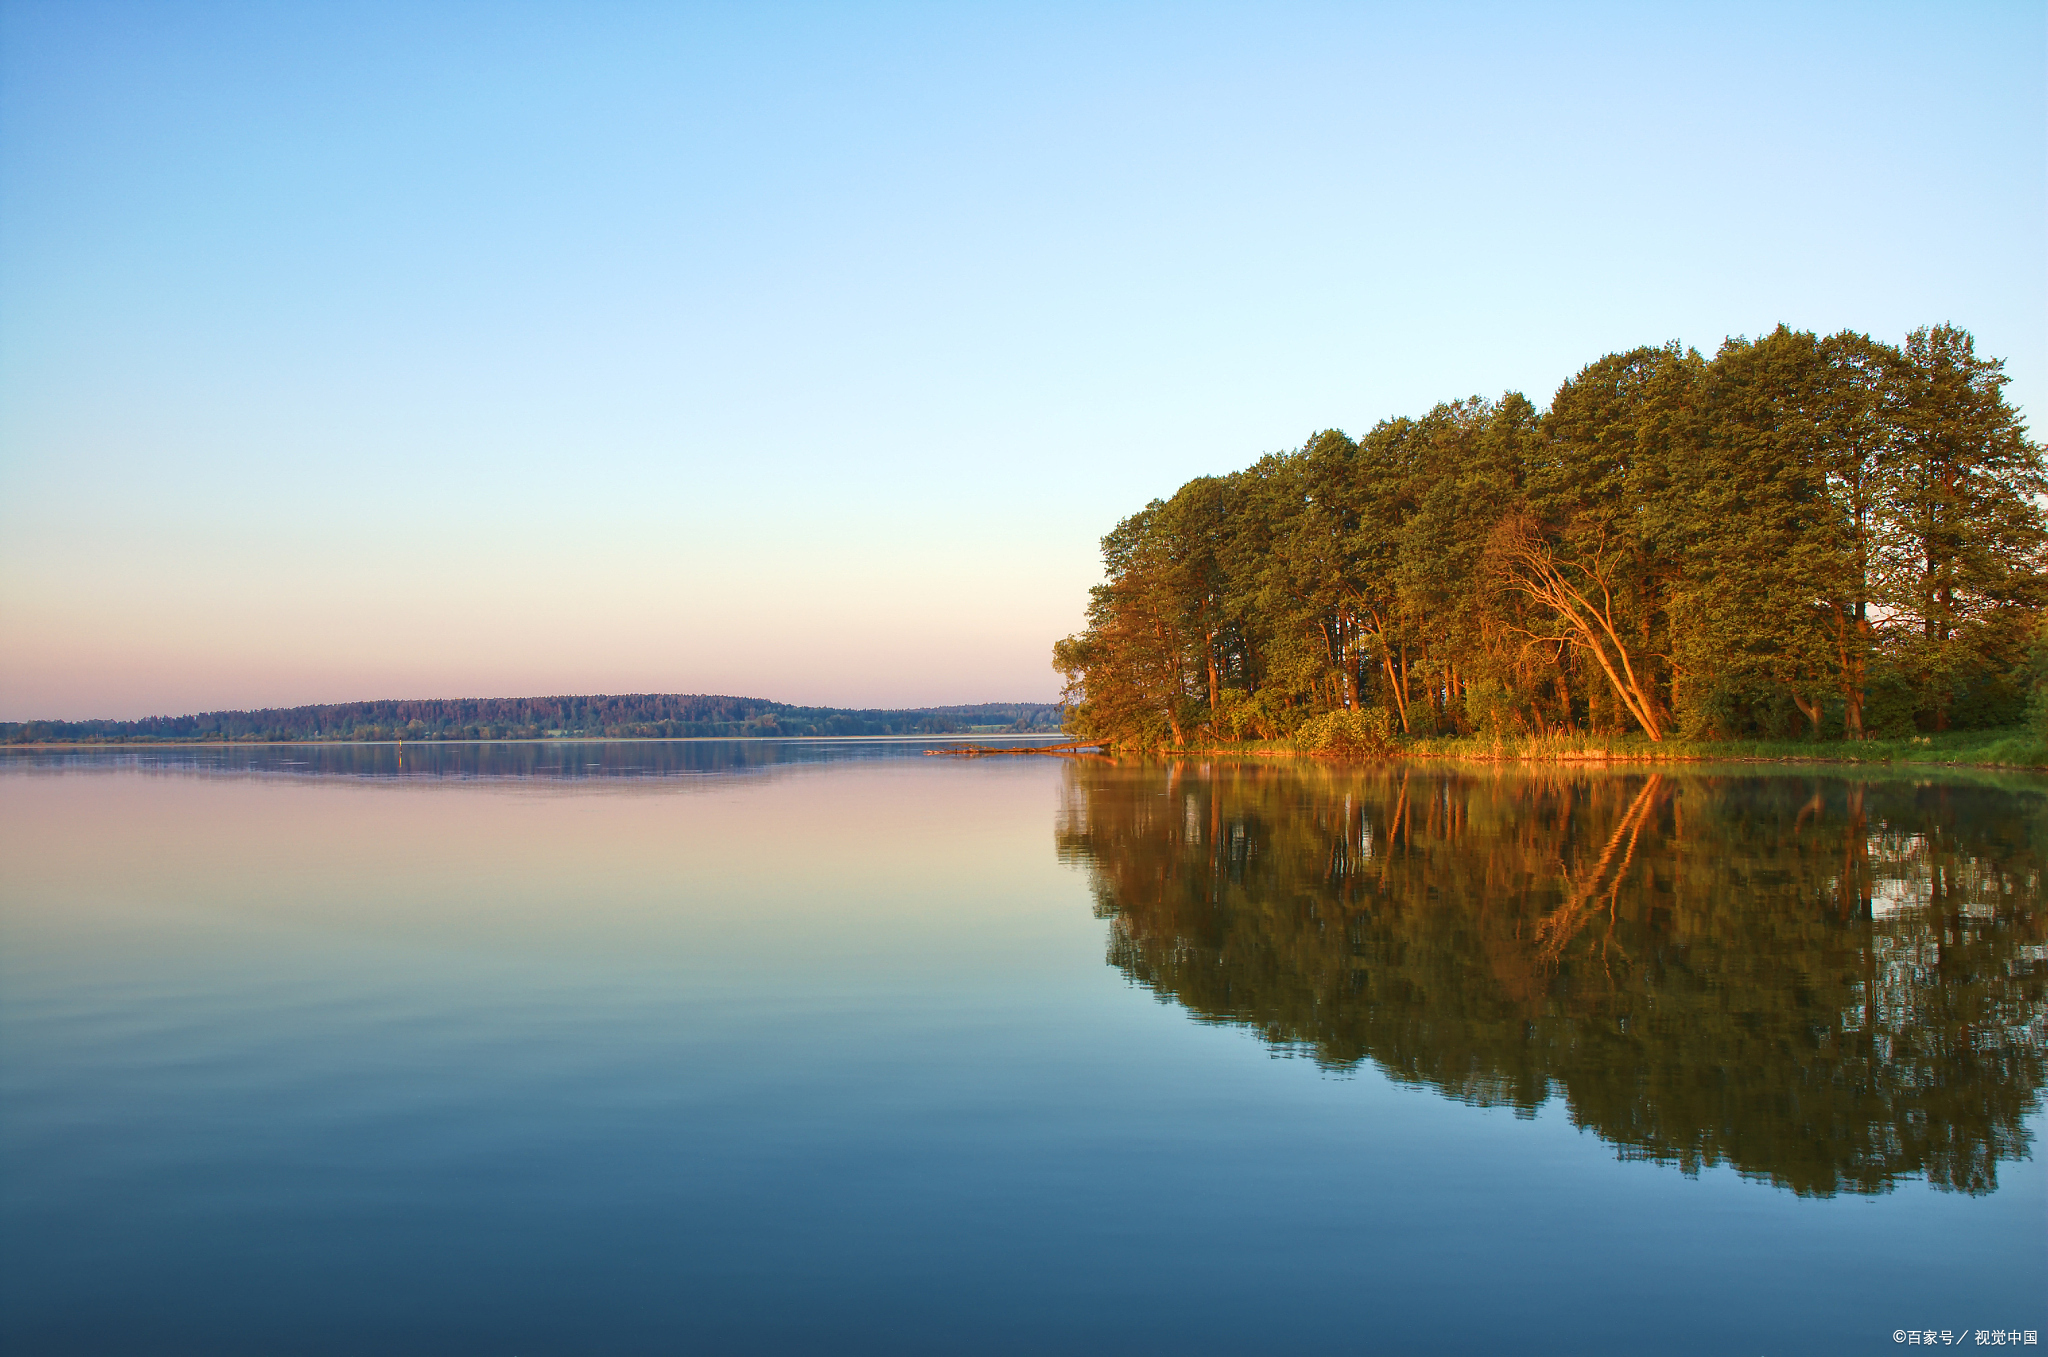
{"x": 806, "y": 351}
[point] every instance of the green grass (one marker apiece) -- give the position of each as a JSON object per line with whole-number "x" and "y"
{"x": 2012, "y": 747}
{"x": 2009, "y": 747}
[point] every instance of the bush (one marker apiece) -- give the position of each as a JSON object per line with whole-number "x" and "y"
{"x": 1489, "y": 708}
{"x": 1888, "y": 703}
{"x": 1349, "y": 734}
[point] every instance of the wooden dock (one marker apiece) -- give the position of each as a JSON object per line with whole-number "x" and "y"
{"x": 983, "y": 751}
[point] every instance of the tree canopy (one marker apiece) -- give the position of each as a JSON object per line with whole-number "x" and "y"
{"x": 1828, "y": 534}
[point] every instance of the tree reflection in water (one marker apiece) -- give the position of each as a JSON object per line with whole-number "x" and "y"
{"x": 1828, "y": 984}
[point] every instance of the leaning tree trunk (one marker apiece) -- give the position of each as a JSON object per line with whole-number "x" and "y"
{"x": 1526, "y": 564}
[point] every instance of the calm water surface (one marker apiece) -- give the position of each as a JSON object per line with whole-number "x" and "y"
{"x": 663, "y": 1048}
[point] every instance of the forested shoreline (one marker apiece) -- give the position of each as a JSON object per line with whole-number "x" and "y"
{"x": 1801, "y": 535}
{"x": 628, "y": 716}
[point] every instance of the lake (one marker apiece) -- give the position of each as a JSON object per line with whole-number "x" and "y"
{"x": 763, "y": 1047}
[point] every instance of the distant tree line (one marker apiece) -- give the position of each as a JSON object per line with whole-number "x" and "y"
{"x": 1829, "y": 535}
{"x": 641, "y": 715}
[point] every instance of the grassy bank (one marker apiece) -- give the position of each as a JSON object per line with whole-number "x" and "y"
{"x": 2010, "y": 747}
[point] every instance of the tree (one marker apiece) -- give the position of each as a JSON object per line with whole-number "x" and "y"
{"x": 1598, "y": 545}
{"x": 1961, "y": 540}
{"x": 1786, "y": 534}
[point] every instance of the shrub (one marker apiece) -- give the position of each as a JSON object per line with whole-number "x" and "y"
{"x": 1349, "y": 734}
{"x": 1489, "y": 708}
{"x": 1888, "y": 703}
{"x": 1235, "y": 714}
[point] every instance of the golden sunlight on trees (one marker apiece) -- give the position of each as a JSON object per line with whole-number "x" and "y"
{"x": 1828, "y": 535}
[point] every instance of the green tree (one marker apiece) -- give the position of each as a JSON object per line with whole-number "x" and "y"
{"x": 1960, "y": 555}
{"x": 1802, "y": 530}
{"x": 1597, "y": 550}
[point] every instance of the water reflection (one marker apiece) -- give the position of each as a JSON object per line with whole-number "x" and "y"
{"x": 488, "y": 759}
{"x": 1828, "y": 984}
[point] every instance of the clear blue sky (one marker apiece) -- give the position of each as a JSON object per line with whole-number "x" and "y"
{"x": 437, "y": 350}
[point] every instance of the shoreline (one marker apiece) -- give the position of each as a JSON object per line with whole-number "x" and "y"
{"x": 1992, "y": 750}
{"x": 2008, "y": 749}
{"x": 1596, "y": 760}
{"x": 520, "y": 739}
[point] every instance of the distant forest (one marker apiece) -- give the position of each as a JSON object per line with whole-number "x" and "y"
{"x": 1801, "y": 534}
{"x": 635, "y": 715}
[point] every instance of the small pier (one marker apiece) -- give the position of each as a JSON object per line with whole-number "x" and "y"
{"x": 985, "y": 751}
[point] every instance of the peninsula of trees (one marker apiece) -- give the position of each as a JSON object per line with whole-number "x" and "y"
{"x": 637, "y": 715}
{"x": 1802, "y": 534}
